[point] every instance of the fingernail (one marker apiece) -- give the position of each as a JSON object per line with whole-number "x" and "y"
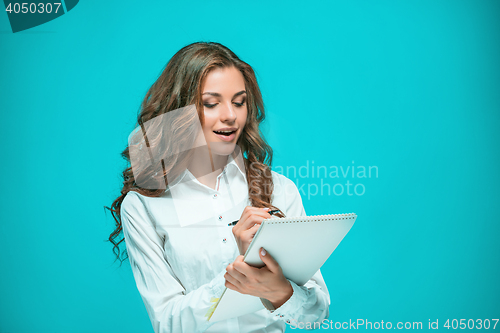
{"x": 267, "y": 209}
{"x": 263, "y": 252}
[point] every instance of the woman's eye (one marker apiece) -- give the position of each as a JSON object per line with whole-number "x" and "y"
{"x": 213, "y": 105}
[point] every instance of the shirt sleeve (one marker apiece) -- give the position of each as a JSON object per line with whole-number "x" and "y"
{"x": 169, "y": 307}
{"x": 310, "y": 302}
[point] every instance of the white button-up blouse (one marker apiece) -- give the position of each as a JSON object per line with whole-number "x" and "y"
{"x": 179, "y": 265}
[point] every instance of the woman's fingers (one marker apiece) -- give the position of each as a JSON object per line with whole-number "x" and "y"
{"x": 229, "y": 285}
{"x": 246, "y": 236}
{"x": 251, "y": 221}
{"x": 231, "y": 279}
{"x": 255, "y": 216}
{"x": 244, "y": 268}
{"x": 248, "y": 211}
{"x": 235, "y": 274}
{"x": 253, "y": 230}
{"x": 247, "y": 226}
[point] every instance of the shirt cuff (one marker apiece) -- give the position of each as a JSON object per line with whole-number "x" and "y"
{"x": 291, "y": 306}
{"x": 218, "y": 284}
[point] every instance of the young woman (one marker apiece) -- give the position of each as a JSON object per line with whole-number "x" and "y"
{"x": 199, "y": 162}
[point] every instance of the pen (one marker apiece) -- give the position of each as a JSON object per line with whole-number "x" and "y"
{"x": 270, "y": 212}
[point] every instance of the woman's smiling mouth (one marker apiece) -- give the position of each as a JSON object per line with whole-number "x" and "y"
{"x": 226, "y": 134}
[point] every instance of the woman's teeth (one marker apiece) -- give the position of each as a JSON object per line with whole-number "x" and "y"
{"x": 226, "y": 133}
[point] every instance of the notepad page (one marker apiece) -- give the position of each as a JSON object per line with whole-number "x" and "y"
{"x": 292, "y": 240}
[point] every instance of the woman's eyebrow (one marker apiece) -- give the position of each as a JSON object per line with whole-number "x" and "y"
{"x": 219, "y": 95}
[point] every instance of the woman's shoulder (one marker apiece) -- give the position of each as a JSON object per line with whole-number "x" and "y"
{"x": 286, "y": 195}
{"x": 282, "y": 179}
{"x": 160, "y": 210}
{"x": 135, "y": 201}
{"x": 284, "y": 182}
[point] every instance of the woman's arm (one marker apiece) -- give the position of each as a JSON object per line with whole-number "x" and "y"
{"x": 169, "y": 308}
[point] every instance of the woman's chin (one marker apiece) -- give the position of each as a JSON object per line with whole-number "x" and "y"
{"x": 222, "y": 148}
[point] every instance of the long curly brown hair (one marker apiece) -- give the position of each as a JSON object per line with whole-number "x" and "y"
{"x": 180, "y": 85}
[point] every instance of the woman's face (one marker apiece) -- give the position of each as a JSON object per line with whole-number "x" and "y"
{"x": 225, "y": 109}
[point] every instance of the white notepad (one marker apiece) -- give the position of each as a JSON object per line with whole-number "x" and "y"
{"x": 300, "y": 245}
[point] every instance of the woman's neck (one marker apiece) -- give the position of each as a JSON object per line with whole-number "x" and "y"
{"x": 206, "y": 166}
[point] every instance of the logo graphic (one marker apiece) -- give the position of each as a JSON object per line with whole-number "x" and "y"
{"x": 26, "y": 15}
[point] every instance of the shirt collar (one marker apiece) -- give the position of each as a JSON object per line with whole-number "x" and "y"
{"x": 233, "y": 168}
{"x": 236, "y": 164}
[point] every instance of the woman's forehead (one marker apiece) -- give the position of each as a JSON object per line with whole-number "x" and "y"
{"x": 228, "y": 80}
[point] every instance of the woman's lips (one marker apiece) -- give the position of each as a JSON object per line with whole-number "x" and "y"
{"x": 226, "y": 137}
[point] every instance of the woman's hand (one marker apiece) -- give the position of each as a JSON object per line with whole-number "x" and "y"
{"x": 247, "y": 226}
{"x": 267, "y": 282}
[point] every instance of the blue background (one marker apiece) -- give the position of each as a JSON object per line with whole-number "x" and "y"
{"x": 410, "y": 87}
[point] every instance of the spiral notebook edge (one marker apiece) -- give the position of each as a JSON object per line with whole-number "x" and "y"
{"x": 311, "y": 218}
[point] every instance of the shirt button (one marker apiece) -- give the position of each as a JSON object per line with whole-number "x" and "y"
{"x": 220, "y": 217}
{"x": 224, "y": 240}
{"x": 215, "y": 196}
{"x": 288, "y": 321}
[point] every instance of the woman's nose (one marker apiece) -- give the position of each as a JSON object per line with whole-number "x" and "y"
{"x": 227, "y": 113}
